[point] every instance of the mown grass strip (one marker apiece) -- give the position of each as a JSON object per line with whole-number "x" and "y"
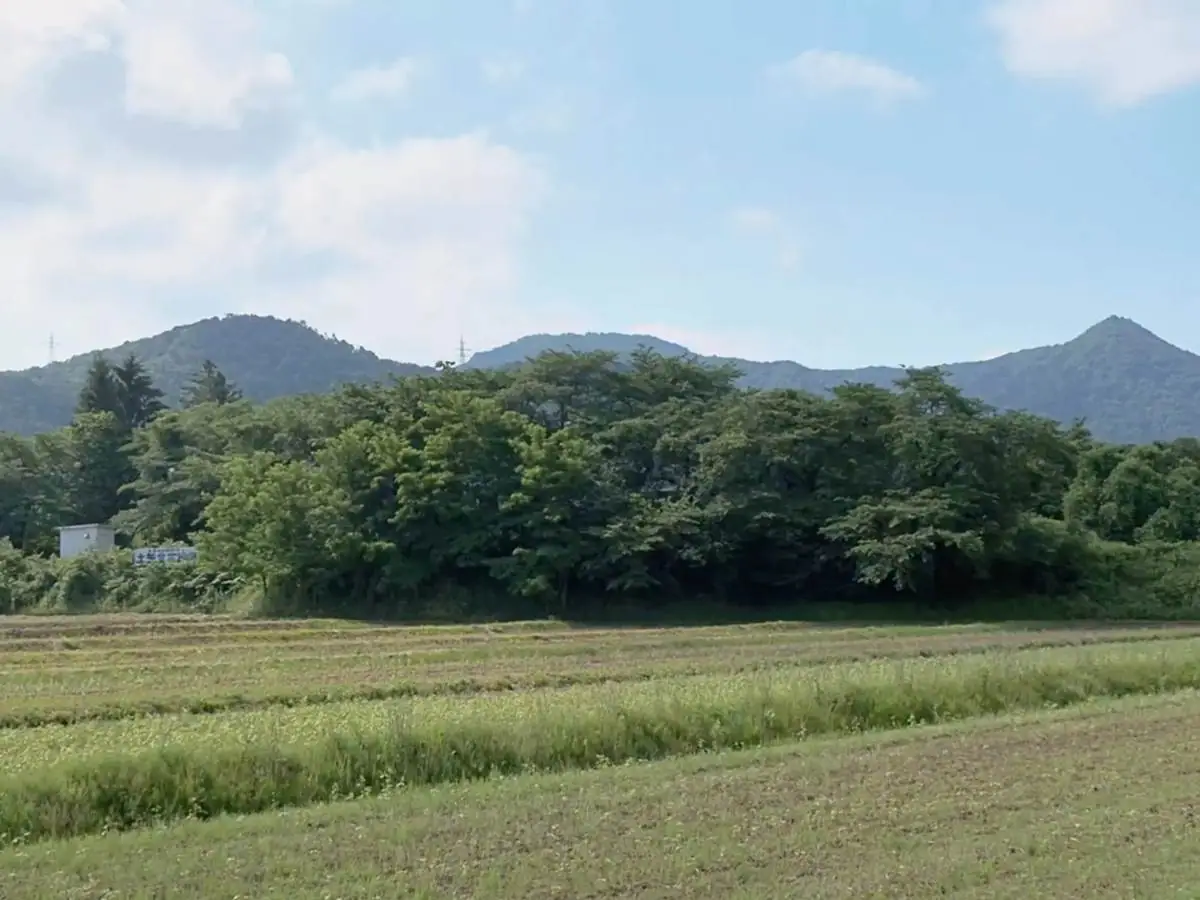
{"x": 314, "y": 694}
{"x": 983, "y": 809}
{"x": 125, "y": 791}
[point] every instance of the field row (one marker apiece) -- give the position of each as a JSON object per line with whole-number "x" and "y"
{"x": 92, "y": 776}
{"x": 1098, "y": 802}
{"x": 110, "y": 638}
{"x": 919, "y": 689}
{"x": 164, "y": 625}
{"x": 67, "y": 686}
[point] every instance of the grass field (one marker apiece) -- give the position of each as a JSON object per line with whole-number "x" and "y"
{"x": 1049, "y": 761}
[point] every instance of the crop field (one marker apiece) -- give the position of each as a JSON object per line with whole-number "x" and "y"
{"x": 332, "y": 759}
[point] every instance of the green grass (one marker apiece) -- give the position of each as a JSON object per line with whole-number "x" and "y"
{"x": 1097, "y": 802}
{"x": 315, "y": 756}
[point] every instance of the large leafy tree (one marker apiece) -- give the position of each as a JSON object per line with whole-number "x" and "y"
{"x": 96, "y": 466}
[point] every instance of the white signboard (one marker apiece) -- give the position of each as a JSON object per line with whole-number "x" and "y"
{"x": 144, "y": 555}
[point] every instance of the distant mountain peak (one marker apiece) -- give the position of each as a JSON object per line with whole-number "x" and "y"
{"x": 1119, "y": 327}
{"x": 534, "y": 344}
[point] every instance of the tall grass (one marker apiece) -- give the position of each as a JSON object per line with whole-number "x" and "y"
{"x": 572, "y": 730}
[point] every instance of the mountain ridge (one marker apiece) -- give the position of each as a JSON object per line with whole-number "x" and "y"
{"x": 1129, "y": 384}
{"x": 265, "y": 356}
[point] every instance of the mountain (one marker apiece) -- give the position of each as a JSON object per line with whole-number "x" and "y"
{"x": 264, "y": 356}
{"x": 1130, "y": 385}
{"x": 518, "y": 351}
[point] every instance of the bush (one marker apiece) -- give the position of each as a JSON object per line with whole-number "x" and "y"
{"x": 1144, "y": 581}
{"x": 105, "y": 582}
{"x": 25, "y": 580}
{"x": 1044, "y": 556}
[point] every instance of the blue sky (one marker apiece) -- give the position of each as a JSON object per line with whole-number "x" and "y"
{"x": 839, "y": 182}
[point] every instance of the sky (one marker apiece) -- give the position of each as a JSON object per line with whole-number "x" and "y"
{"x": 836, "y": 182}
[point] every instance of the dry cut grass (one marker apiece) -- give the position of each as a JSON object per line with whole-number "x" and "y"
{"x": 64, "y": 671}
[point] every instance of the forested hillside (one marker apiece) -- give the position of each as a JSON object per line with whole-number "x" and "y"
{"x": 1128, "y": 384}
{"x": 267, "y": 357}
{"x": 573, "y": 481}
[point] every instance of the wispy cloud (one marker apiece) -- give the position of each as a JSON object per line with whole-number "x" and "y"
{"x": 755, "y": 219}
{"x": 502, "y": 71}
{"x": 831, "y": 72}
{"x": 377, "y": 82}
{"x": 164, "y": 166}
{"x": 554, "y": 113}
{"x": 768, "y": 224}
{"x": 1124, "y": 52}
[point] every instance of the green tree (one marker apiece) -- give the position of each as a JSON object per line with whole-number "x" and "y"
{"x": 561, "y": 509}
{"x": 20, "y": 484}
{"x": 100, "y": 393}
{"x": 176, "y": 461}
{"x": 210, "y": 385}
{"x": 961, "y": 484}
{"x": 96, "y": 466}
{"x": 280, "y": 523}
{"x": 139, "y": 400}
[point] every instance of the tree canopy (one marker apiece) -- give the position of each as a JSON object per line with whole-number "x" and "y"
{"x": 1129, "y": 385}
{"x": 577, "y": 480}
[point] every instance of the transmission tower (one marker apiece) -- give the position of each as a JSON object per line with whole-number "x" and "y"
{"x": 462, "y": 351}
{"x": 52, "y": 346}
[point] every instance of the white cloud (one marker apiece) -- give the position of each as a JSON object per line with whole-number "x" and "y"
{"x": 199, "y": 61}
{"x": 756, "y": 219}
{"x": 769, "y": 225}
{"x": 1122, "y": 51}
{"x": 131, "y": 202}
{"x": 34, "y": 34}
{"x": 194, "y": 61}
{"x": 378, "y": 81}
{"x": 832, "y": 72}
{"x": 502, "y": 70}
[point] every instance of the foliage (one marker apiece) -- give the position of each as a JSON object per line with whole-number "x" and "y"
{"x": 100, "y": 390}
{"x": 210, "y": 386}
{"x": 106, "y": 582}
{"x": 581, "y": 481}
{"x": 139, "y": 400}
{"x": 1127, "y": 384}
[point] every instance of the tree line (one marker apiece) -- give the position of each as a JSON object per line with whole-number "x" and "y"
{"x": 579, "y": 480}
{"x": 79, "y": 474}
